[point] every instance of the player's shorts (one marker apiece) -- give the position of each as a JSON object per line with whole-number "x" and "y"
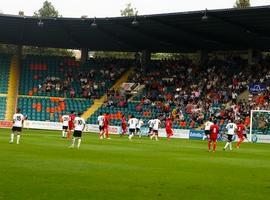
{"x": 155, "y": 131}
{"x": 207, "y": 132}
{"x": 213, "y": 137}
{"x": 77, "y": 134}
{"x": 240, "y": 135}
{"x": 169, "y": 131}
{"x": 131, "y": 130}
{"x": 70, "y": 127}
{"x": 65, "y": 127}
{"x": 17, "y": 129}
{"x": 229, "y": 137}
{"x": 150, "y": 129}
{"x": 137, "y": 130}
{"x": 101, "y": 128}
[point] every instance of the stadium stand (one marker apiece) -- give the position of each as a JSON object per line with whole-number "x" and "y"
{"x": 65, "y": 77}
{"x": 2, "y": 107}
{"x": 51, "y": 109}
{"x": 192, "y": 93}
{"x": 4, "y": 72}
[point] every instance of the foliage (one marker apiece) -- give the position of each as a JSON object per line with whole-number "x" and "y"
{"x": 129, "y": 11}
{"x": 47, "y": 10}
{"x": 242, "y": 4}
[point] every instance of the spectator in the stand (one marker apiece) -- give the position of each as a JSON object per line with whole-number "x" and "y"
{"x": 72, "y": 92}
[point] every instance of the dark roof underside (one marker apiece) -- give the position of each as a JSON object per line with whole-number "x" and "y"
{"x": 230, "y": 29}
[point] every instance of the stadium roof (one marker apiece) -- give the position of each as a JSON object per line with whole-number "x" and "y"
{"x": 226, "y": 29}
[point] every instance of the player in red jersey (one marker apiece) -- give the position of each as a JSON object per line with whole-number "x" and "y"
{"x": 71, "y": 124}
{"x": 240, "y": 133}
{"x": 214, "y": 129}
{"x": 168, "y": 127}
{"x": 106, "y": 125}
{"x": 124, "y": 125}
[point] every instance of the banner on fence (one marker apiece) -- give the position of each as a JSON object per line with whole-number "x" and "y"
{"x": 6, "y": 124}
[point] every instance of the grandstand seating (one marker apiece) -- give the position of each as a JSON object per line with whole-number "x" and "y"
{"x": 2, "y": 107}
{"x": 4, "y": 72}
{"x": 38, "y": 72}
{"x": 50, "y": 109}
{"x": 192, "y": 91}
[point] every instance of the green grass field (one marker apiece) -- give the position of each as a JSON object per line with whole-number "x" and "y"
{"x": 43, "y": 167}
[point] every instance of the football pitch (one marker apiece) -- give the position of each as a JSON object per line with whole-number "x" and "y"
{"x": 43, "y": 167}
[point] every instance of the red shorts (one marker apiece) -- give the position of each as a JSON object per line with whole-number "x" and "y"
{"x": 213, "y": 137}
{"x": 240, "y": 135}
{"x": 124, "y": 128}
{"x": 169, "y": 131}
{"x": 70, "y": 126}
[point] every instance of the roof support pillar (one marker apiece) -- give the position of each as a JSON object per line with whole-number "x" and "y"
{"x": 84, "y": 55}
{"x": 145, "y": 57}
{"x": 203, "y": 56}
{"x": 250, "y": 56}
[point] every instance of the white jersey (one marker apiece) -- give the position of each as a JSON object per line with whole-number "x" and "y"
{"x": 132, "y": 123}
{"x": 156, "y": 124}
{"x": 231, "y": 127}
{"x": 151, "y": 123}
{"x": 79, "y": 124}
{"x": 18, "y": 120}
{"x": 207, "y": 125}
{"x": 65, "y": 120}
{"x": 140, "y": 123}
{"x": 100, "y": 120}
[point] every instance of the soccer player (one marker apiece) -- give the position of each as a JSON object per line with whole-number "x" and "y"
{"x": 71, "y": 124}
{"x": 65, "y": 119}
{"x": 106, "y": 125}
{"x": 168, "y": 127}
{"x": 100, "y": 120}
{"x": 207, "y": 126}
{"x": 156, "y": 125}
{"x": 18, "y": 120}
{"x": 138, "y": 127}
{"x": 240, "y": 133}
{"x": 231, "y": 128}
{"x": 150, "y": 126}
{"x": 79, "y": 125}
{"x": 132, "y": 124}
{"x": 123, "y": 125}
{"x": 214, "y": 130}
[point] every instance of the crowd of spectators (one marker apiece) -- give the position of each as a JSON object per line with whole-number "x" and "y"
{"x": 198, "y": 91}
{"x": 91, "y": 80}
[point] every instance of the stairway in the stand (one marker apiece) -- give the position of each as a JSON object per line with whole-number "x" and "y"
{"x": 98, "y": 103}
{"x": 13, "y": 86}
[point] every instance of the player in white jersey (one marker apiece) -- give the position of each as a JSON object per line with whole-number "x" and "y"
{"x": 150, "y": 126}
{"x": 65, "y": 119}
{"x": 156, "y": 125}
{"x": 79, "y": 125}
{"x": 18, "y": 120}
{"x": 100, "y": 120}
{"x": 132, "y": 124}
{"x": 231, "y": 129}
{"x": 207, "y": 126}
{"x": 138, "y": 127}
